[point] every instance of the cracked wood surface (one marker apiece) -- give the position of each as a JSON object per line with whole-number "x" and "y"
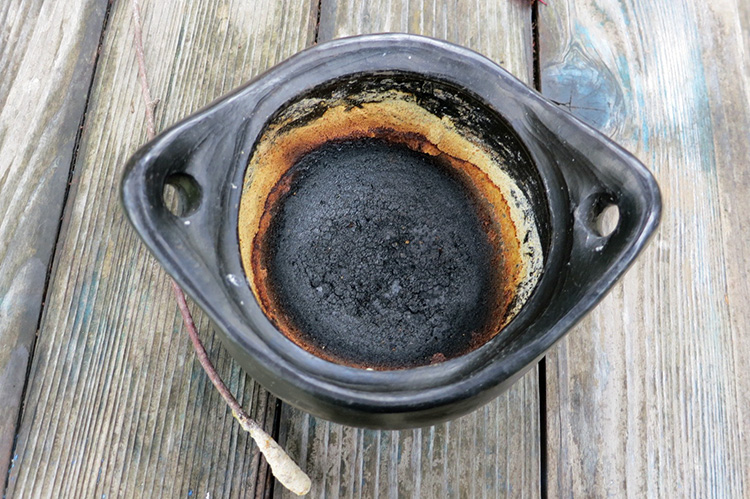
{"x": 647, "y": 396}
{"x": 46, "y": 69}
{"x": 117, "y": 405}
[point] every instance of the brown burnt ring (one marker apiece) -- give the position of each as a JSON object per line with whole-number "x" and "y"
{"x": 387, "y": 109}
{"x": 568, "y": 171}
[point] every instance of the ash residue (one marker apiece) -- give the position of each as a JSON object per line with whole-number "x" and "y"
{"x": 379, "y": 257}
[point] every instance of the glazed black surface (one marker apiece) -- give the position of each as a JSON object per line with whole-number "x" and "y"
{"x": 577, "y": 168}
{"x": 378, "y": 255}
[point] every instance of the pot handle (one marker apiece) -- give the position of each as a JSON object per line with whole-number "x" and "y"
{"x": 615, "y": 208}
{"x": 605, "y": 205}
{"x": 174, "y": 200}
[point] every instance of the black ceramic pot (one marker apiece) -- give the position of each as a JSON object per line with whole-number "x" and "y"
{"x": 479, "y": 191}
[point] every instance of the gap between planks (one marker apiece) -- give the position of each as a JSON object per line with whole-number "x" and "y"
{"x": 55, "y": 246}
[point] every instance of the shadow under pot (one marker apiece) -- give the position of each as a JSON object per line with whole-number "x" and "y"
{"x": 388, "y": 230}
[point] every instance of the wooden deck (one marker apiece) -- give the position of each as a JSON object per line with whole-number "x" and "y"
{"x": 102, "y": 395}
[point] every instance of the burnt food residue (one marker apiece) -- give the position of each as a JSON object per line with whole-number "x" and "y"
{"x": 378, "y": 255}
{"x": 375, "y": 235}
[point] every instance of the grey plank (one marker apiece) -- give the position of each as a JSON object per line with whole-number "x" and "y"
{"x": 648, "y": 396}
{"x": 492, "y": 452}
{"x": 47, "y": 55}
{"x": 725, "y": 48}
{"x": 117, "y": 405}
{"x": 495, "y": 451}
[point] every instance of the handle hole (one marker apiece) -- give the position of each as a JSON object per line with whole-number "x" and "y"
{"x": 181, "y": 195}
{"x": 606, "y": 219}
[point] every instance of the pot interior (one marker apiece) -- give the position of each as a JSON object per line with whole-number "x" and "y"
{"x": 389, "y": 221}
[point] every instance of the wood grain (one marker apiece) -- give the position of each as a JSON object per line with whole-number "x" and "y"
{"x": 722, "y": 38}
{"x": 117, "y": 404}
{"x": 493, "y": 452}
{"x": 47, "y": 59}
{"x": 649, "y": 394}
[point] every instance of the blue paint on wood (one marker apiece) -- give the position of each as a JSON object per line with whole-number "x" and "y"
{"x": 645, "y": 130}
{"x": 702, "y": 108}
{"x": 586, "y": 87}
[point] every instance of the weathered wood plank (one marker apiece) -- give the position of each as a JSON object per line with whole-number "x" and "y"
{"x": 493, "y": 452}
{"x": 729, "y": 92}
{"x": 646, "y": 396}
{"x": 117, "y": 404}
{"x": 499, "y": 30}
{"x": 47, "y": 58}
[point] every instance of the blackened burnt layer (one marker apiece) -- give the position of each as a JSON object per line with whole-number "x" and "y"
{"x": 378, "y": 256}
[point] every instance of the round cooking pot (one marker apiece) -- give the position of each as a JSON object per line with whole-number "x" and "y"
{"x": 458, "y": 208}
